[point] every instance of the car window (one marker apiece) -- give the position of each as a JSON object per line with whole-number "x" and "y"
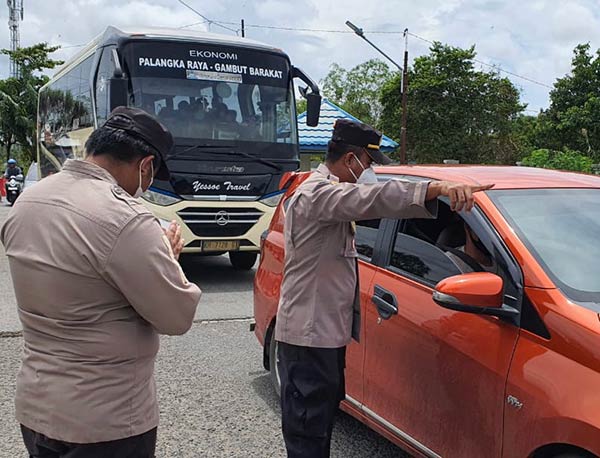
{"x": 366, "y": 236}
{"x": 433, "y": 249}
{"x": 421, "y": 260}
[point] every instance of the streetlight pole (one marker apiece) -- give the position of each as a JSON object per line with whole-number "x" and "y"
{"x": 404, "y": 85}
{"x": 404, "y": 101}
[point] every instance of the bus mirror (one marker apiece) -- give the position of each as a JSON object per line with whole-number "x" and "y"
{"x": 313, "y": 109}
{"x": 118, "y": 92}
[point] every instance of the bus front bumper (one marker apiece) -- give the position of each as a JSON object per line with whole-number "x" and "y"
{"x": 217, "y": 227}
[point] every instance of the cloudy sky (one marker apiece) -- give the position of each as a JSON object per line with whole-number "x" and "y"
{"x": 532, "y": 38}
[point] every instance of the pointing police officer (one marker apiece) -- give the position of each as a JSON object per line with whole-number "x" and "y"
{"x": 96, "y": 281}
{"x": 319, "y": 310}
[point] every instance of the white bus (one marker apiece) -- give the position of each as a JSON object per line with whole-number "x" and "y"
{"x": 229, "y": 103}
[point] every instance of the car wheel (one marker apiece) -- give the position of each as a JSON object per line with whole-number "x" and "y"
{"x": 243, "y": 260}
{"x": 273, "y": 366}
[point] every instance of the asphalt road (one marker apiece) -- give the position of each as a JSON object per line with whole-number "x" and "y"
{"x": 216, "y": 400}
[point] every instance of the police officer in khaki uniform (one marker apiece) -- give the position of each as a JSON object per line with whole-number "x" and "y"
{"x": 319, "y": 309}
{"x": 96, "y": 280}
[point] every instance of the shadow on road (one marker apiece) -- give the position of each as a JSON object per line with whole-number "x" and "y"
{"x": 215, "y": 274}
{"x": 349, "y": 434}
{"x": 264, "y": 389}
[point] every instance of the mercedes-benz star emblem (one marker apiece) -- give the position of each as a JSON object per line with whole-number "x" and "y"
{"x": 222, "y": 218}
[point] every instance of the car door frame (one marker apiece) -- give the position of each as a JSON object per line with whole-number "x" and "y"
{"x": 493, "y": 241}
{"x": 373, "y": 263}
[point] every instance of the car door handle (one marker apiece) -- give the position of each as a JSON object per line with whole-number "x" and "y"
{"x": 386, "y": 302}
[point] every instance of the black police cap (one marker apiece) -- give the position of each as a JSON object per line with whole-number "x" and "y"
{"x": 362, "y": 135}
{"x": 145, "y": 127}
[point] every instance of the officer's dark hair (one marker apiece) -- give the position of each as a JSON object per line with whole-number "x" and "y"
{"x": 117, "y": 144}
{"x": 336, "y": 150}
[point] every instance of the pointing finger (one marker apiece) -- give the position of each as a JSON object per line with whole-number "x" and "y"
{"x": 484, "y": 187}
{"x": 469, "y": 199}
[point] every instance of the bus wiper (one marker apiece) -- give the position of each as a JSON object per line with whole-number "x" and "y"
{"x": 230, "y": 153}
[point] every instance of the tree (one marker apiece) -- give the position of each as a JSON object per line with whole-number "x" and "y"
{"x": 300, "y": 105}
{"x": 525, "y": 133}
{"x": 358, "y": 90}
{"x": 573, "y": 119}
{"x": 454, "y": 110}
{"x": 18, "y": 96}
{"x": 562, "y": 160}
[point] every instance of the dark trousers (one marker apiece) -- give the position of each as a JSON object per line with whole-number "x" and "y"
{"x": 312, "y": 386}
{"x": 40, "y": 446}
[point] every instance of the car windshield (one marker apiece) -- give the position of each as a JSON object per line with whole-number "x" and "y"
{"x": 560, "y": 227}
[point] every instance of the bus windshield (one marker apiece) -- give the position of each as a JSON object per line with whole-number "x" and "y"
{"x": 206, "y": 94}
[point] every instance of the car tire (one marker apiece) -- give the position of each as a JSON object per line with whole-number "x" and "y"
{"x": 243, "y": 260}
{"x": 273, "y": 366}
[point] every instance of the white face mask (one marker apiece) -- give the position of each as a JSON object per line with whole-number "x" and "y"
{"x": 139, "y": 191}
{"x": 368, "y": 175}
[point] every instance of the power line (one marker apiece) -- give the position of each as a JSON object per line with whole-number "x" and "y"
{"x": 496, "y": 67}
{"x": 300, "y": 29}
{"x": 390, "y": 32}
{"x": 210, "y": 21}
{"x": 193, "y": 24}
{"x": 297, "y": 29}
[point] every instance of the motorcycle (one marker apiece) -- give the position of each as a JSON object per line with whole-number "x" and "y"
{"x": 14, "y": 188}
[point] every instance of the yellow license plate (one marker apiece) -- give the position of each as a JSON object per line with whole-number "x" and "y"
{"x": 218, "y": 245}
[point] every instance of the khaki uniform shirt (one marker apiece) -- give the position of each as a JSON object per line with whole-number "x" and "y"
{"x": 96, "y": 282}
{"x": 319, "y": 300}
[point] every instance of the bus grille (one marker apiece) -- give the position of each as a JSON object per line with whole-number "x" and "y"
{"x": 215, "y": 222}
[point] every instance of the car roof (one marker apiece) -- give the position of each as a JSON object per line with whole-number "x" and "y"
{"x": 503, "y": 177}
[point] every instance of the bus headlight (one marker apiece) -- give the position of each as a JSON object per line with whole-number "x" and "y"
{"x": 273, "y": 199}
{"x": 159, "y": 198}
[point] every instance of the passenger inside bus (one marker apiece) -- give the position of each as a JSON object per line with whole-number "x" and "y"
{"x": 251, "y": 128}
{"x": 207, "y": 116}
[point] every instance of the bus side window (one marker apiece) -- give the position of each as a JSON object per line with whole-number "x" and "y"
{"x": 105, "y": 72}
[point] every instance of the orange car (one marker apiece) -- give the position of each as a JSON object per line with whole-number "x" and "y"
{"x": 463, "y": 354}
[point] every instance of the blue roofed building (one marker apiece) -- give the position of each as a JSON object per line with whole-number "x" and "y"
{"x": 313, "y": 140}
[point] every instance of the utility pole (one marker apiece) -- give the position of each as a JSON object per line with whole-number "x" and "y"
{"x": 358, "y": 31}
{"x": 15, "y": 14}
{"x": 243, "y": 29}
{"x": 404, "y": 101}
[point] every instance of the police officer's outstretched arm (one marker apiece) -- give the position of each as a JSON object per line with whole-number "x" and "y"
{"x": 142, "y": 266}
{"x": 333, "y": 202}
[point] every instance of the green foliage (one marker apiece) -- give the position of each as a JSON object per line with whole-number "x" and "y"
{"x": 358, "y": 90}
{"x": 524, "y": 133}
{"x": 573, "y": 119}
{"x": 18, "y": 97}
{"x": 566, "y": 159}
{"x": 454, "y": 110}
{"x": 300, "y": 106}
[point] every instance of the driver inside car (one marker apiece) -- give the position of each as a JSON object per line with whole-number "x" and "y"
{"x": 470, "y": 256}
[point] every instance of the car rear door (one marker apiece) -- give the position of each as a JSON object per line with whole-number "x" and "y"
{"x": 369, "y": 240}
{"x": 433, "y": 376}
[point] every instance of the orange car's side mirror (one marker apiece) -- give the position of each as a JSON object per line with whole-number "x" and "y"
{"x": 476, "y": 292}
